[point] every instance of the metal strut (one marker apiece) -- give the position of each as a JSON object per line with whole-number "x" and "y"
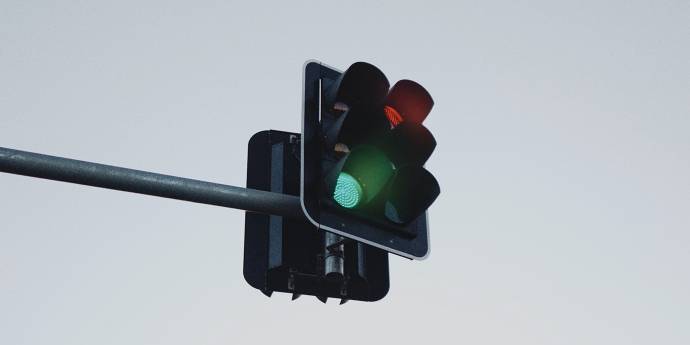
{"x": 143, "y": 182}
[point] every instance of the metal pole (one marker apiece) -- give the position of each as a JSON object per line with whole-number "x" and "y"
{"x": 142, "y": 182}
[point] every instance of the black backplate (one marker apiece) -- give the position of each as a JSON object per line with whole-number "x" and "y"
{"x": 286, "y": 255}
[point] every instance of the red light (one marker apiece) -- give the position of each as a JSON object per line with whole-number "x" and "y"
{"x": 410, "y": 100}
{"x": 393, "y": 116}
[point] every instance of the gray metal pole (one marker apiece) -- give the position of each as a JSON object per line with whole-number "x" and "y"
{"x": 142, "y": 182}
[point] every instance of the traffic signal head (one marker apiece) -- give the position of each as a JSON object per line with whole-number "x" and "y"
{"x": 363, "y": 155}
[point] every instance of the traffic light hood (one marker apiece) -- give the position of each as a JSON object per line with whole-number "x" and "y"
{"x": 362, "y": 85}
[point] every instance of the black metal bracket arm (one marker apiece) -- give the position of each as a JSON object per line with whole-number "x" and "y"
{"x": 142, "y": 182}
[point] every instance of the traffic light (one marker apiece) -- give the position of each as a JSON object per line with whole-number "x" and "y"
{"x": 363, "y": 153}
{"x": 358, "y": 169}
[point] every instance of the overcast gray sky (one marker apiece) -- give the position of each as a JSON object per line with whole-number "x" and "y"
{"x": 563, "y": 157}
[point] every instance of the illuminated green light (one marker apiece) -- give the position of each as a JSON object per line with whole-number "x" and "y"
{"x": 347, "y": 192}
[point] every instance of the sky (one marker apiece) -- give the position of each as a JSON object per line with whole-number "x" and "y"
{"x": 563, "y": 158}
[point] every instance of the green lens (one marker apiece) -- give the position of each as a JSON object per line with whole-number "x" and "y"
{"x": 347, "y": 192}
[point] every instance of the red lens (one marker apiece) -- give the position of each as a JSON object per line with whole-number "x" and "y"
{"x": 411, "y": 101}
{"x": 393, "y": 116}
